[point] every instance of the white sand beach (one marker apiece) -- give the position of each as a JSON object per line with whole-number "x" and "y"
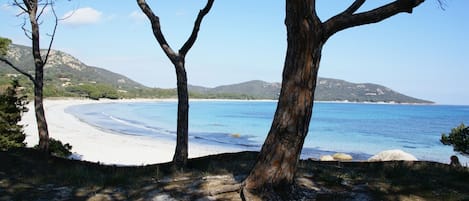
{"x": 93, "y": 144}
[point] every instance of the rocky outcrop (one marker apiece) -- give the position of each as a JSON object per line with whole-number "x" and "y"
{"x": 393, "y": 155}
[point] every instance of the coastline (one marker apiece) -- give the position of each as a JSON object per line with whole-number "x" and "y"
{"x": 90, "y": 143}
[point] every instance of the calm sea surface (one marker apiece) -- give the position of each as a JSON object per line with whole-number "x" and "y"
{"x": 359, "y": 129}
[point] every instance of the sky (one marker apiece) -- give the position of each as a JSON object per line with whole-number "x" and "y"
{"x": 423, "y": 54}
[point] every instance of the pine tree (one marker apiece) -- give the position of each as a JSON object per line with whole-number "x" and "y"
{"x": 12, "y": 106}
{"x": 458, "y": 138}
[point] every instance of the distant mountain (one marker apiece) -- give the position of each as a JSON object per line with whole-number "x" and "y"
{"x": 63, "y": 70}
{"x": 67, "y": 76}
{"x": 327, "y": 90}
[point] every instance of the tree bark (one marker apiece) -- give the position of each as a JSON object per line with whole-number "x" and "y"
{"x": 276, "y": 164}
{"x": 182, "y": 139}
{"x": 273, "y": 174}
{"x": 39, "y": 78}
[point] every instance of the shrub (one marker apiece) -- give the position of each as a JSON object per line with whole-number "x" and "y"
{"x": 12, "y": 106}
{"x": 57, "y": 148}
{"x": 458, "y": 138}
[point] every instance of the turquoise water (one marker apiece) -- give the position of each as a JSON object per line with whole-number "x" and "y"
{"x": 359, "y": 129}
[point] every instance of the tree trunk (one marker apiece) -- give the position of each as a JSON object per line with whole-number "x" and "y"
{"x": 275, "y": 168}
{"x": 38, "y": 81}
{"x": 41, "y": 119}
{"x": 181, "y": 153}
{"x": 274, "y": 171}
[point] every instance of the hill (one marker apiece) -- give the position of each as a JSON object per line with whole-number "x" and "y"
{"x": 65, "y": 75}
{"x": 327, "y": 90}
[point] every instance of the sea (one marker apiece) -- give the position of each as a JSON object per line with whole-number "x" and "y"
{"x": 359, "y": 129}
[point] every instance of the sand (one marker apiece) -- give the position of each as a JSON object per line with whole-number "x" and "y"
{"x": 93, "y": 144}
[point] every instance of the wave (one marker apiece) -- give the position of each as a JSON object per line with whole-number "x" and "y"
{"x": 128, "y": 126}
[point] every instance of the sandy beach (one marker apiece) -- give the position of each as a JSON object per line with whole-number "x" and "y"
{"x": 93, "y": 144}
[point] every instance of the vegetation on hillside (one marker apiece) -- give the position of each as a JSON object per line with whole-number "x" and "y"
{"x": 66, "y": 76}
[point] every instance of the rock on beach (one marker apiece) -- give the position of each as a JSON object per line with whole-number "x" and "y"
{"x": 393, "y": 155}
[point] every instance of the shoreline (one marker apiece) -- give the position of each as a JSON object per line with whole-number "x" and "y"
{"x": 93, "y": 144}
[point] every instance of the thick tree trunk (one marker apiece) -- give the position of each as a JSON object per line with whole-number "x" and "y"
{"x": 181, "y": 153}
{"x": 275, "y": 168}
{"x": 274, "y": 171}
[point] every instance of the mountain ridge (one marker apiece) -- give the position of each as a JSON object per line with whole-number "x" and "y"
{"x": 65, "y": 75}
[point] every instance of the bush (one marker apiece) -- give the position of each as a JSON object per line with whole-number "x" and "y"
{"x": 12, "y": 106}
{"x": 94, "y": 91}
{"x": 458, "y": 138}
{"x": 57, "y": 148}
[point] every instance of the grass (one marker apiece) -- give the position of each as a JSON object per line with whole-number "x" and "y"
{"x": 26, "y": 174}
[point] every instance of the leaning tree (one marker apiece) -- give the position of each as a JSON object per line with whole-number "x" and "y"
{"x": 178, "y": 60}
{"x": 275, "y": 168}
{"x": 33, "y": 11}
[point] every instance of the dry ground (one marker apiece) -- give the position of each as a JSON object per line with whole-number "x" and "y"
{"x": 27, "y": 175}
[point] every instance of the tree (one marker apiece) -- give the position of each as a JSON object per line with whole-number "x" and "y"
{"x": 34, "y": 9}
{"x": 458, "y": 138}
{"x": 273, "y": 174}
{"x": 178, "y": 60}
{"x": 4, "y": 43}
{"x": 12, "y": 106}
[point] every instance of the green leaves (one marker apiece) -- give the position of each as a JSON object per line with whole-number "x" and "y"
{"x": 458, "y": 138}
{"x": 4, "y": 43}
{"x": 12, "y": 106}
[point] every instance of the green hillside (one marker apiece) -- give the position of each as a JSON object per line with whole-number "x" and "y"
{"x": 327, "y": 90}
{"x": 66, "y": 76}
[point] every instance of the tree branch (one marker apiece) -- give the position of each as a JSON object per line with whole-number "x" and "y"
{"x": 191, "y": 40}
{"x": 43, "y": 9}
{"x": 52, "y": 35}
{"x": 29, "y": 76}
{"x": 341, "y": 21}
{"x": 26, "y": 30}
{"x": 354, "y": 7}
{"x": 155, "y": 23}
{"x": 15, "y": 3}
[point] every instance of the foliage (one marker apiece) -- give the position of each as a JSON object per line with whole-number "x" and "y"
{"x": 12, "y": 106}
{"x": 458, "y": 138}
{"x": 4, "y": 43}
{"x": 57, "y": 148}
{"x": 95, "y": 91}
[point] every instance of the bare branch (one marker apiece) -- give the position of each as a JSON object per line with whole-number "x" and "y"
{"x": 52, "y": 35}
{"x": 19, "y": 5}
{"x": 26, "y": 31}
{"x": 341, "y": 22}
{"x": 191, "y": 40}
{"x": 155, "y": 23}
{"x": 354, "y": 7}
{"x": 42, "y": 9}
{"x": 29, "y": 76}
{"x": 442, "y": 4}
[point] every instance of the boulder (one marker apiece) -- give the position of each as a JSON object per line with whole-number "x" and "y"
{"x": 393, "y": 155}
{"x": 326, "y": 158}
{"x": 342, "y": 157}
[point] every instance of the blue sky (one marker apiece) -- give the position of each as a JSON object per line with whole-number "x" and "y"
{"x": 423, "y": 54}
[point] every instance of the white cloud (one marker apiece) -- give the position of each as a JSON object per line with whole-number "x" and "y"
{"x": 82, "y": 16}
{"x": 137, "y": 16}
